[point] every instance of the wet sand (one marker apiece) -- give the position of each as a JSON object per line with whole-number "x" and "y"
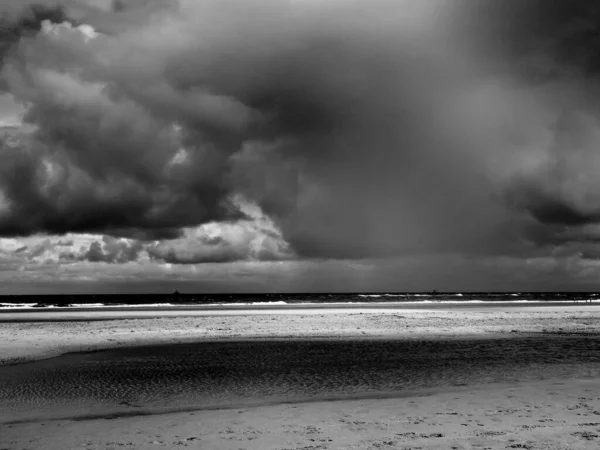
{"x": 222, "y": 374}
{"x": 501, "y": 378}
{"x": 548, "y": 415}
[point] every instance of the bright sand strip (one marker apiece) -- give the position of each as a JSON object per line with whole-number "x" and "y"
{"x": 551, "y": 414}
{"x": 54, "y": 332}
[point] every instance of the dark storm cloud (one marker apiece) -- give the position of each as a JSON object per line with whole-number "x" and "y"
{"x": 17, "y": 22}
{"x": 563, "y": 32}
{"x": 362, "y": 129}
{"x": 559, "y": 58}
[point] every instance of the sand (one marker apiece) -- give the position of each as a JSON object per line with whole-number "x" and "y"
{"x": 551, "y": 415}
{"x": 31, "y": 335}
{"x": 307, "y": 379}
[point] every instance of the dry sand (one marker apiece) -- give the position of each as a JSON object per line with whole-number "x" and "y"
{"x": 554, "y": 404}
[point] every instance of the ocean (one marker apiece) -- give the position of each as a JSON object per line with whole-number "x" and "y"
{"x": 199, "y": 300}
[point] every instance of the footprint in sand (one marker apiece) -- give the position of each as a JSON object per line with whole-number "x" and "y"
{"x": 187, "y": 441}
{"x": 586, "y": 435}
{"x": 488, "y": 433}
{"x": 248, "y": 434}
{"x": 381, "y": 443}
{"x": 120, "y": 444}
{"x": 311, "y": 429}
{"x": 519, "y": 445}
{"x": 308, "y": 447}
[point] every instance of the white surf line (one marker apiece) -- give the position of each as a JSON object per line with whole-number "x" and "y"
{"x": 72, "y": 314}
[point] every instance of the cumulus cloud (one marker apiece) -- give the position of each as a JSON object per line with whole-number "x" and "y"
{"x": 111, "y": 250}
{"x": 254, "y": 239}
{"x": 358, "y": 129}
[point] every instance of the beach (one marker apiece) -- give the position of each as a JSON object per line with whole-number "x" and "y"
{"x": 300, "y": 378}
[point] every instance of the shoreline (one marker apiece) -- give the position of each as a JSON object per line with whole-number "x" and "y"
{"x": 220, "y": 308}
{"x": 32, "y": 335}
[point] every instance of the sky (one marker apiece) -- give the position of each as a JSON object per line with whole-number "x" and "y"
{"x": 299, "y": 145}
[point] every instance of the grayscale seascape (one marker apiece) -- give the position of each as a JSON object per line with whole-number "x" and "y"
{"x": 299, "y": 224}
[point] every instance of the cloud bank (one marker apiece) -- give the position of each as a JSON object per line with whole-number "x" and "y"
{"x": 355, "y": 129}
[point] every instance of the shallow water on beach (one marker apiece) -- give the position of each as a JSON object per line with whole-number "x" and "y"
{"x": 228, "y": 373}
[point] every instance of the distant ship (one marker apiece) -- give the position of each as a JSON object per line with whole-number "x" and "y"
{"x": 176, "y": 293}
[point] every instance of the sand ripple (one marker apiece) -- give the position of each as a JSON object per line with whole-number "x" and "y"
{"x": 232, "y": 372}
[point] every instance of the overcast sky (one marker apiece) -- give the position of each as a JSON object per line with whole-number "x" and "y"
{"x": 299, "y": 145}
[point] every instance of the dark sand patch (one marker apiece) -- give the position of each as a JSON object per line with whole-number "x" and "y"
{"x": 218, "y": 374}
